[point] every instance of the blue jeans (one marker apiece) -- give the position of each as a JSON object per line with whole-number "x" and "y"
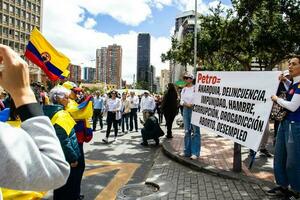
{"x": 287, "y": 155}
{"x": 192, "y": 142}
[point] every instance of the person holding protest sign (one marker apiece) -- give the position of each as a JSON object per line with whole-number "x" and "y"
{"x": 192, "y": 142}
{"x": 287, "y": 147}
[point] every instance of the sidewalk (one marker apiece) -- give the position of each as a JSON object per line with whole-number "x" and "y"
{"x": 216, "y": 157}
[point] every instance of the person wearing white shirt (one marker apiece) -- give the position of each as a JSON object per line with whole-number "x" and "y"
{"x": 147, "y": 105}
{"x": 134, "y": 105}
{"x": 113, "y": 107}
{"x": 192, "y": 142}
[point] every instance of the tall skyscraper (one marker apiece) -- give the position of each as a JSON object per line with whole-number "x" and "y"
{"x": 17, "y": 19}
{"x": 109, "y": 65}
{"x": 114, "y": 65}
{"x": 184, "y": 24}
{"x": 89, "y": 74}
{"x": 143, "y": 58}
{"x": 101, "y": 63}
{"x": 75, "y": 73}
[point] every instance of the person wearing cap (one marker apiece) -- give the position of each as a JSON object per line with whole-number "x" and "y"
{"x": 287, "y": 147}
{"x": 192, "y": 142}
{"x": 64, "y": 127}
{"x": 113, "y": 107}
{"x": 82, "y": 128}
{"x": 147, "y": 105}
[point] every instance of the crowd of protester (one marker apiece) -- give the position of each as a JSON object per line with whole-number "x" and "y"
{"x": 69, "y": 108}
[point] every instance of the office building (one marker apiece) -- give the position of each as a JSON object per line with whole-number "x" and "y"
{"x": 143, "y": 59}
{"x": 17, "y": 19}
{"x": 75, "y": 73}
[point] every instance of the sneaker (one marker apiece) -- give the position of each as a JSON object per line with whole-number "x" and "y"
{"x": 105, "y": 141}
{"x": 290, "y": 195}
{"x": 277, "y": 191}
{"x": 265, "y": 152}
{"x": 194, "y": 157}
{"x": 115, "y": 139}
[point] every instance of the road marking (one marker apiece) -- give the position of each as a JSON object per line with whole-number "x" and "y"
{"x": 125, "y": 172}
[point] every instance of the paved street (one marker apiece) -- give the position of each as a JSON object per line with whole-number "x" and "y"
{"x": 189, "y": 184}
{"x": 111, "y": 166}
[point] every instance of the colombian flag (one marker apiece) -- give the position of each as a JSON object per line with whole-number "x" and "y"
{"x": 43, "y": 54}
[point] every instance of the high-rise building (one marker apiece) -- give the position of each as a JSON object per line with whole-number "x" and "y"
{"x": 17, "y": 19}
{"x": 101, "y": 64}
{"x": 109, "y": 65}
{"x": 184, "y": 24}
{"x": 89, "y": 74}
{"x": 75, "y": 73}
{"x": 152, "y": 78}
{"x": 114, "y": 65}
{"x": 143, "y": 58}
{"x": 164, "y": 80}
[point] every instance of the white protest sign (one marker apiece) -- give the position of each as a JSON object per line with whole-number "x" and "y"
{"x": 235, "y": 105}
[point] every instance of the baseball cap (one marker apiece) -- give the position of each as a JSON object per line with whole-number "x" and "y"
{"x": 188, "y": 75}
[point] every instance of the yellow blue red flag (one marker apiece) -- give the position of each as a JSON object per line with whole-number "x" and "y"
{"x": 43, "y": 54}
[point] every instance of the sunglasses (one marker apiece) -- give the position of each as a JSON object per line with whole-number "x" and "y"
{"x": 185, "y": 78}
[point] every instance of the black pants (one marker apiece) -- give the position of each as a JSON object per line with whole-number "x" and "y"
{"x": 133, "y": 116}
{"x": 80, "y": 167}
{"x": 97, "y": 115}
{"x": 111, "y": 119}
{"x": 69, "y": 190}
{"x": 169, "y": 123}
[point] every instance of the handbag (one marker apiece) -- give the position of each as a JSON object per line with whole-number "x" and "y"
{"x": 278, "y": 113}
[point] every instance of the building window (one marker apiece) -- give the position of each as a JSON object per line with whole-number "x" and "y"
{"x": 18, "y": 12}
{"x": 11, "y": 44}
{"x": 5, "y": 42}
{"x": 5, "y": 6}
{"x": 22, "y": 36}
{"x": 5, "y": 19}
{"x": 28, "y": 5}
{"x": 27, "y": 16}
{"x": 11, "y": 9}
{"x": 5, "y": 31}
{"x": 23, "y": 13}
{"x": 37, "y": 20}
{"x": 17, "y": 23}
{"x": 18, "y": 2}
{"x": 16, "y": 34}
{"x": 17, "y": 45}
{"x": 11, "y": 21}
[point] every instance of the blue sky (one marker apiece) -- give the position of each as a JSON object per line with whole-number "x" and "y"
{"x": 79, "y": 27}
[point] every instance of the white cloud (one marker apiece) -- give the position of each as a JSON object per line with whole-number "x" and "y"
{"x": 130, "y": 12}
{"x": 89, "y": 23}
{"x": 80, "y": 43}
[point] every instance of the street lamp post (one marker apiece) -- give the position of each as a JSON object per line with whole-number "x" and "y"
{"x": 195, "y": 40}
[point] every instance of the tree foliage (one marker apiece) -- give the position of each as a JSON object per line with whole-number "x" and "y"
{"x": 267, "y": 30}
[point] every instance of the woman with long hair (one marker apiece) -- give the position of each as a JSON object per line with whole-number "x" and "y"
{"x": 170, "y": 108}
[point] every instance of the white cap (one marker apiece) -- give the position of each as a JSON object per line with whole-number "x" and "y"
{"x": 285, "y": 73}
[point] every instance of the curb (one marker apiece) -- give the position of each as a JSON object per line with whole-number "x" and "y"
{"x": 198, "y": 166}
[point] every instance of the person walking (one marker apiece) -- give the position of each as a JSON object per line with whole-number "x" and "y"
{"x": 287, "y": 147}
{"x": 113, "y": 106}
{"x": 192, "y": 142}
{"x": 134, "y": 105}
{"x": 125, "y": 111}
{"x": 98, "y": 103}
{"x": 170, "y": 108}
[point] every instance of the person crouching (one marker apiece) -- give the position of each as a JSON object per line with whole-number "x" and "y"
{"x": 151, "y": 129}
